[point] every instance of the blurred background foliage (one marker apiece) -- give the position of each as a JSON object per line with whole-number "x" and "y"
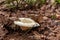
{"x": 23, "y": 3}
{"x": 13, "y": 4}
{"x": 57, "y": 1}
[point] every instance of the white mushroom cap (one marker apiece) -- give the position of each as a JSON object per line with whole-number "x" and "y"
{"x": 26, "y": 22}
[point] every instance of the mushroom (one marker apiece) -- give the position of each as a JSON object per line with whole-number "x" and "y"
{"x": 26, "y": 23}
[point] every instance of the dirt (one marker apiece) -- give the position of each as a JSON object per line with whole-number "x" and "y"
{"x": 49, "y": 28}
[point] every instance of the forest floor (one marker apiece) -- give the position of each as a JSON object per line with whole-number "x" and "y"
{"x": 49, "y": 28}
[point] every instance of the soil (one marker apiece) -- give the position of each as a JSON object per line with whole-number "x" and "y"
{"x": 49, "y": 28}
